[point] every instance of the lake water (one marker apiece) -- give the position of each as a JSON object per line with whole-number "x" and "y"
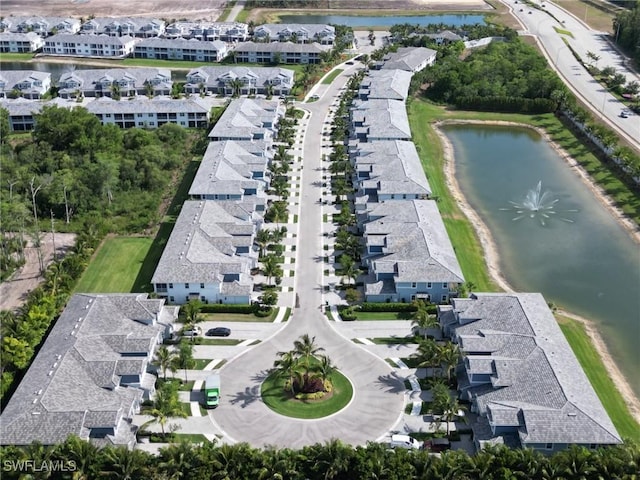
{"x": 571, "y": 249}
{"x": 373, "y": 21}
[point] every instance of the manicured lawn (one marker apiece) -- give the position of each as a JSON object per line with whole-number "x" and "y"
{"x": 152, "y": 62}
{"x": 15, "y": 57}
{"x": 384, "y": 315}
{"x": 116, "y": 265}
{"x": 586, "y": 11}
{"x": 597, "y": 374}
{"x": 200, "y": 363}
{"x": 278, "y": 400}
{"x": 332, "y": 76}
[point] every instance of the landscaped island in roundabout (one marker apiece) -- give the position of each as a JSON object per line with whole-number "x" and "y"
{"x": 305, "y": 384}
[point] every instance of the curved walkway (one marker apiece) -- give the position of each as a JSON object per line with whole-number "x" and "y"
{"x": 379, "y": 394}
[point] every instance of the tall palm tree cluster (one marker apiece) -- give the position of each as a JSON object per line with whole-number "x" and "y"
{"x": 330, "y": 461}
{"x": 305, "y": 371}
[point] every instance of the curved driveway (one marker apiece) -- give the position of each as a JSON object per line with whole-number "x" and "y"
{"x": 378, "y": 400}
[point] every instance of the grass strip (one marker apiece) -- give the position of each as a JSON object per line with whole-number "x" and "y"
{"x": 596, "y": 372}
{"x": 332, "y": 76}
{"x": 116, "y": 265}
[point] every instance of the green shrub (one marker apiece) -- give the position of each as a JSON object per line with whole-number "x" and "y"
{"x": 227, "y": 308}
{"x": 387, "y": 307}
{"x": 263, "y": 313}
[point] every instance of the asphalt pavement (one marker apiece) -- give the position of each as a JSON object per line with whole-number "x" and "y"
{"x": 543, "y": 22}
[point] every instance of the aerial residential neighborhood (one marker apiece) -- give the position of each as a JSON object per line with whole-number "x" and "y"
{"x": 285, "y": 194}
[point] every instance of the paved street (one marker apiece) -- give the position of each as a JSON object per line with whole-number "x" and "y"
{"x": 541, "y": 24}
{"x": 379, "y": 394}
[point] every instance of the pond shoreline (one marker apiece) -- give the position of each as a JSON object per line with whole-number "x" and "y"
{"x": 492, "y": 257}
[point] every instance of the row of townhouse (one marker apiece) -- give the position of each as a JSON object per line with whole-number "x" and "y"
{"x": 296, "y": 33}
{"x": 105, "y": 46}
{"x": 154, "y": 27}
{"x": 521, "y": 376}
{"x": 41, "y": 26}
{"x": 211, "y": 252}
{"x": 408, "y": 253}
{"x": 518, "y": 372}
{"x": 92, "y": 373}
{"x": 240, "y": 81}
{"x": 130, "y": 82}
{"x": 26, "y": 84}
{"x": 136, "y": 112}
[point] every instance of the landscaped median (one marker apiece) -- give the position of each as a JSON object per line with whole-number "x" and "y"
{"x": 306, "y": 384}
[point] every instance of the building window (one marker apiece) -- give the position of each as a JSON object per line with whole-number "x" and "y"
{"x": 444, "y": 298}
{"x": 202, "y": 285}
{"x": 428, "y": 284}
{"x": 548, "y": 446}
{"x": 171, "y": 285}
{"x": 171, "y": 299}
{"x": 414, "y": 284}
{"x": 593, "y": 446}
{"x": 445, "y": 286}
{"x": 413, "y": 298}
{"x": 186, "y": 285}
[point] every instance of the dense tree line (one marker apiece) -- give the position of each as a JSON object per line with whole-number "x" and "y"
{"x": 75, "y": 168}
{"x": 406, "y": 32}
{"x": 626, "y": 27}
{"x": 510, "y": 73}
{"x": 333, "y": 460}
{"x": 24, "y": 330}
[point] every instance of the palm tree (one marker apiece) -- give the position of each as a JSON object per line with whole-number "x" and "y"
{"x": 269, "y": 298}
{"x": 177, "y": 459}
{"x": 236, "y": 86}
{"x": 306, "y": 348}
{"x": 164, "y": 359}
{"x": 166, "y": 405}
{"x": 271, "y": 268}
{"x": 350, "y": 270}
{"x": 184, "y": 358}
{"x": 84, "y": 455}
{"x": 278, "y": 212}
{"x": 288, "y": 366}
{"x": 263, "y": 238}
{"x": 452, "y": 409}
{"x": 325, "y": 368}
{"x": 449, "y": 357}
{"x": 427, "y": 353}
{"x": 192, "y": 310}
{"x": 422, "y": 319}
{"x": 125, "y": 464}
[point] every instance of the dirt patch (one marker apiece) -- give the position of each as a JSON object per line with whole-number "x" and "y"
{"x": 493, "y": 260}
{"x": 191, "y": 9}
{"x": 13, "y": 292}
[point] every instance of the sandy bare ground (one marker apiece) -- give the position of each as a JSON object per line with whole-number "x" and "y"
{"x": 13, "y": 292}
{"x": 493, "y": 260}
{"x": 191, "y": 9}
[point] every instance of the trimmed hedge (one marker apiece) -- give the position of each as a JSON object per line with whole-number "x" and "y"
{"x": 387, "y": 307}
{"x": 228, "y": 308}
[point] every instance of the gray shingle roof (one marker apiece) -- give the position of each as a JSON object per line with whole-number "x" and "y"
{"x": 88, "y": 39}
{"x": 201, "y": 248}
{"x": 308, "y": 30}
{"x": 391, "y": 84}
{"x": 280, "y": 47}
{"x": 19, "y": 37}
{"x": 416, "y": 252}
{"x": 260, "y": 76}
{"x": 227, "y": 168}
{"x": 533, "y": 370}
{"x": 181, "y": 43}
{"x": 145, "y": 105}
{"x": 71, "y": 387}
{"x": 408, "y": 58}
{"x": 245, "y": 118}
{"x": 136, "y": 77}
{"x": 381, "y": 119}
{"x": 392, "y": 173}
